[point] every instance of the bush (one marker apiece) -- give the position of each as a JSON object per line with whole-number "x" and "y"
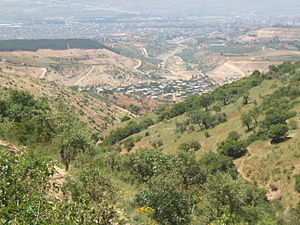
{"x": 278, "y": 131}
{"x": 145, "y": 164}
{"x": 157, "y": 144}
{"x": 297, "y": 183}
{"x": 206, "y": 134}
{"x": 129, "y": 144}
{"x": 190, "y": 146}
{"x": 232, "y": 148}
{"x": 261, "y": 135}
{"x": 293, "y": 124}
{"x": 131, "y": 128}
{"x": 171, "y": 205}
{"x": 125, "y": 118}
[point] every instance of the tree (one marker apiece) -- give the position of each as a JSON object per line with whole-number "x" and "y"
{"x": 205, "y": 100}
{"x": 222, "y": 94}
{"x": 245, "y": 99}
{"x": 24, "y": 184}
{"x": 278, "y": 132}
{"x": 25, "y": 196}
{"x": 145, "y": 164}
{"x": 255, "y": 114}
{"x": 20, "y": 105}
{"x": 191, "y": 145}
{"x": 232, "y": 148}
{"x": 171, "y": 205}
{"x": 217, "y": 107}
{"x": 72, "y": 141}
{"x": 134, "y": 109}
{"x": 187, "y": 169}
{"x": 212, "y": 163}
{"x": 223, "y": 196}
{"x": 233, "y": 135}
{"x": 125, "y": 118}
{"x": 203, "y": 119}
{"x": 227, "y": 201}
{"x": 246, "y": 120}
{"x": 89, "y": 185}
{"x": 276, "y": 116}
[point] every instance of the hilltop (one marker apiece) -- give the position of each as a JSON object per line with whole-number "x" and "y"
{"x": 74, "y": 62}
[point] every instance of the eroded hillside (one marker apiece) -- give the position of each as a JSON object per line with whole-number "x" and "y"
{"x": 74, "y": 67}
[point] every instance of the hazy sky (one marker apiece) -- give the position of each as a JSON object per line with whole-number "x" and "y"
{"x": 278, "y": 6}
{"x": 19, "y": 9}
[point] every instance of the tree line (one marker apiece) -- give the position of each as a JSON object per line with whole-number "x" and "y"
{"x": 55, "y": 44}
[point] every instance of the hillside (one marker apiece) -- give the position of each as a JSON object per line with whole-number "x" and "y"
{"x": 282, "y": 34}
{"x": 271, "y": 166}
{"x": 228, "y": 157}
{"x": 74, "y": 67}
{"x": 97, "y": 114}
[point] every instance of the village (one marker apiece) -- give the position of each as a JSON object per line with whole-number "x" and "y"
{"x": 167, "y": 90}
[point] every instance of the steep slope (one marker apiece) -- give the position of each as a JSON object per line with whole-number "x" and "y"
{"x": 97, "y": 114}
{"x": 270, "y": 165}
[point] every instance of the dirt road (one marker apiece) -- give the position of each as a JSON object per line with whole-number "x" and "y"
{"x": 85, "y": 77}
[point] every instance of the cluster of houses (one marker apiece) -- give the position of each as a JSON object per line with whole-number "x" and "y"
{"x": 168, "y": 90}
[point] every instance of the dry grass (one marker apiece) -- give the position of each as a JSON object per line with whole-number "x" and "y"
{"x": 95, "y": 113}
{"x": 78, "y": 66}
{"x": 272, "y": 167}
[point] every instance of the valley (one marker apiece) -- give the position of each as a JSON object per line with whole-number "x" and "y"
{"x": 223, "y": 57}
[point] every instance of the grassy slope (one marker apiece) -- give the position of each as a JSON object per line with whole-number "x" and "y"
{"x": 96, "y": 113}
{"x": 265, "y": 164}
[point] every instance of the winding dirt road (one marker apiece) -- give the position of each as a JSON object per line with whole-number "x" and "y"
{"x": 86, "y": 76}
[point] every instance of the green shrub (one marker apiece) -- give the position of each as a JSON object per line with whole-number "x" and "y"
{"x": 125, "y": 118}
{"x": 278, "y": 131}
{"x": 171, "y": 205}
{"x": 190, "y": 146}
{"x": 297, "y": 183}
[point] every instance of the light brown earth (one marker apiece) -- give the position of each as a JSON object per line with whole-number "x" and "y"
{"x": 178, "y": 68}
{"x": 9, "y": 146}
{"x": 239, "y": 69}
{"x": 268, "y": 34}
{"x": 77, "y": 66}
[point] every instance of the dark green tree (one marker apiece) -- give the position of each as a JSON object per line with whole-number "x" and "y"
{"x": 247, "y": 120}
{"x": 278, "y": 132}
{"x": 191, "y": 145}
{"x": 232, "y": 148}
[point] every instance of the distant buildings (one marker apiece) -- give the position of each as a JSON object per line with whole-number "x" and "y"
{"x": 167, "y": 90}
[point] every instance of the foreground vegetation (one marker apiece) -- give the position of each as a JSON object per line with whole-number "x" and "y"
{"x": 196, "y": 183}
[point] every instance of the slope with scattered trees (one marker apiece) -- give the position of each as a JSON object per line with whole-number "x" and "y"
{"x": 183, "y": 162}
